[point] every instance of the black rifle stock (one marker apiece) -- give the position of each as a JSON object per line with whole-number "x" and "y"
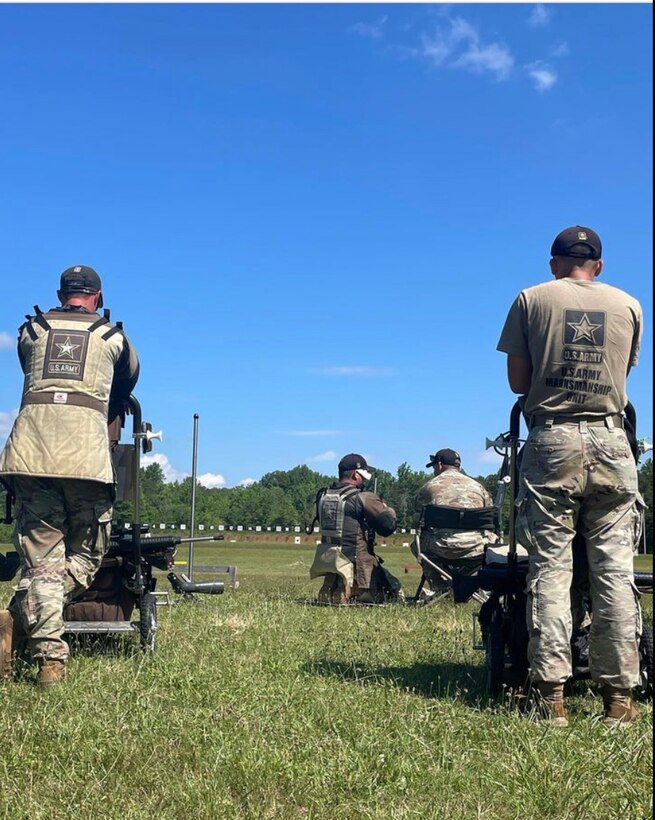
{"x": 160, "y": 550}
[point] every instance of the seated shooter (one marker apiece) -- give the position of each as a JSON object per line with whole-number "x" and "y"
{"x": 460, "y": 549}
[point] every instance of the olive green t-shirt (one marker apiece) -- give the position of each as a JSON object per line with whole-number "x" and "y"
{"x": 581, "y": 337}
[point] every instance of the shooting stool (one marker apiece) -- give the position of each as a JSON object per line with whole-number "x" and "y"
{"x": 439, "y": 516}
{"x": 162, "y": 598}
{"x": 228, "y": 569}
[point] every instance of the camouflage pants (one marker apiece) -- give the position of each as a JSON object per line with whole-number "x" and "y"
{"x": 62, "y": 533}
{"x": 575, "y": 476}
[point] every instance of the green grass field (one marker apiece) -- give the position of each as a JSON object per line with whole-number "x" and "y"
{"x": 255, "y": 706}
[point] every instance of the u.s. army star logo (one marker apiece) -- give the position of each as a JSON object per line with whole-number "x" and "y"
{"x": 584, "y": 328}
{"x": 65, "y": 354}
{"x": 66, "y": 348}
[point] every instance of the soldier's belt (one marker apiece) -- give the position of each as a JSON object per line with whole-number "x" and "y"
{"x": 64, "y": 398}
{"x": 616, "y": 420}
{"x": 443, "y": 516}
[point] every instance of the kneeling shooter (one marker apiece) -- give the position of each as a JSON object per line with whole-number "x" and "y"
{"x": 349, "y": 518}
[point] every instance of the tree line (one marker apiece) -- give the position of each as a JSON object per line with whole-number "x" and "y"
{"x": 287, "y": 498}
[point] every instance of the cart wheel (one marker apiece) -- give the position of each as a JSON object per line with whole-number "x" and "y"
{"x": 495, "y": 653}
{"x": 148, "y": 621}
{"x": 644, "y": 690}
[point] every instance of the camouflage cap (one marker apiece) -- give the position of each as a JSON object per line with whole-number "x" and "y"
{"x": 445, "y": 456}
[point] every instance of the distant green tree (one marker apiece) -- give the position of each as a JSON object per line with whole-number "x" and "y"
{"x": 216, "y": 503}
{"x": 279, "y": 509}
{"x": 155, "y": 495}
{"x": 300, "y": 485}
{"x": 287, "y": 498}
{"x": 403, "y": 495}
{"x": 180, "y": 507}
{"x": 383, "y": 483}
{"x": 490, "y": 483}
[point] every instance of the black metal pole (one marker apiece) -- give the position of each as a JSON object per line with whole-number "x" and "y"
{"x": 194, "y": 469}
{"x": 514, "y": 434}
{"x": 137, "y": 434}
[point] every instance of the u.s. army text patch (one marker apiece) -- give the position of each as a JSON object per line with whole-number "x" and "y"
{"x": 66, "y": 354}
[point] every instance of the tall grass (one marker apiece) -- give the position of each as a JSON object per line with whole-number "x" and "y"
{"x": 257, "y": 706}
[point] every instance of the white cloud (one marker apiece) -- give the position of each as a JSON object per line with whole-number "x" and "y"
{"x": 540, "y": 16}
{"x": 494, "y": 58}
{"x": 372, "y": 30}
{"x": 211, "y": 480}
{"x": 560, "y": 50}
{"x": 246, "y": 482}
{"x": 328, "y": 455}
{"x": 458, "y": 45}
{"x": 7, "y": 341}
{"x": 313, "y": 433}
{"x": 170, "y": 473}
{"x": 444, "y": 42}
{"x": 542, "y": 75}
{"x": 355, "y": 370}
{"x": 7, "y": 422}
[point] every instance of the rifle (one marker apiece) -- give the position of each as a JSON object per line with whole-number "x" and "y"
{"x": 158, "y": 551}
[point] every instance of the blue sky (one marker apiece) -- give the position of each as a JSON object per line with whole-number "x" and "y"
{"x": 312, "y": 219}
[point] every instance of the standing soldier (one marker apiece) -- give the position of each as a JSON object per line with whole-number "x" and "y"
{"x": 570, "y": 345}
{"x": 450, "y": 487}
{"x": 349, "y": 518}
{"x": 57, "y": 463}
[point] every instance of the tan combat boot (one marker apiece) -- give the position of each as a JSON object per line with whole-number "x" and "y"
{"x": 325, "y": 592}
{"x": 10, "y": 635}
{"x": 50, "y": 673}
{"x": 620, "y": 709}
{"x": 340, "y": 592}
{"x": 551, "y": 703}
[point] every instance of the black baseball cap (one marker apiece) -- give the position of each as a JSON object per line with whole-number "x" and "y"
{"x": 578, "y": 242}
{"x": 352, "y": 462}
{"x": 80, "y": 279}
{"x": 445, "y": 456}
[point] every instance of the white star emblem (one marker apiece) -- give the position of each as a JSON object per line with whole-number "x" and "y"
{"x": 66, "y": 348}
{"x": 584, "y": 329}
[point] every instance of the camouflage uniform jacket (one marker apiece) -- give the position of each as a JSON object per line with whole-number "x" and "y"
{"x": 453, "y": 488}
